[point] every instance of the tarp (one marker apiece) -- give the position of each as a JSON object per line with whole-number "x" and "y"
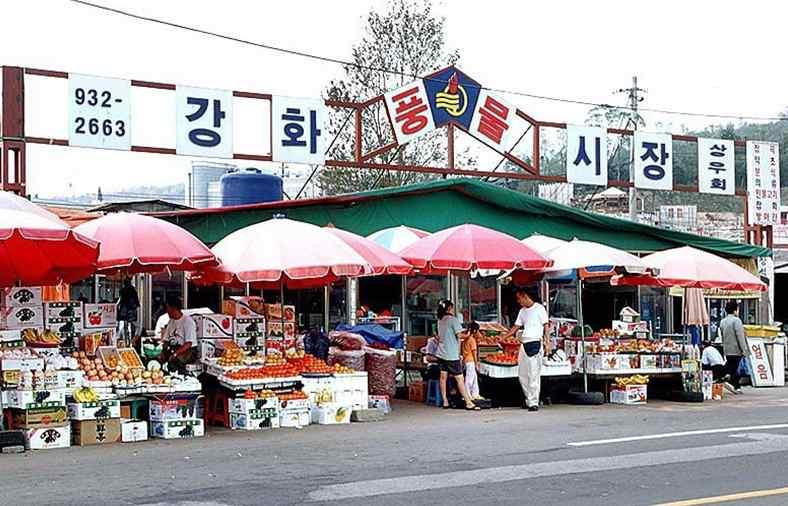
{"x": 441, "y": 204}
{"x": 375, "y": 333}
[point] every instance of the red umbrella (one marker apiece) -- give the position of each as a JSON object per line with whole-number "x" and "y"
{"x": 469, "y": 247}
{"x": 693, "y": 268}
{"x": 283, "y": 252}
{"x": 379, "y": 258}
{"x": 35, "y": 250}
{"x": 136, "y": 243}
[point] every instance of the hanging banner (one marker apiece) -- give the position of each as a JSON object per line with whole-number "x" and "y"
{"x": 586, "y": 155}
{"x": 493, "y": 122}
{"x": 204, "y": 122}
{"x": 409, "y": 112}
{"x": 763, "y": 183}
{"x": 716, "y": 173}
{"x": 653, "y": 161}
{"x": 297, "y": 130}
{"x": 99, "y": 112}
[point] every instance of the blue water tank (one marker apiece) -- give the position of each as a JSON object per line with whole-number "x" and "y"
{"x": 249, "y": 186}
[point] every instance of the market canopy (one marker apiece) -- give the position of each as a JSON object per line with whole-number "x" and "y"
{"x": 441, "y": 204}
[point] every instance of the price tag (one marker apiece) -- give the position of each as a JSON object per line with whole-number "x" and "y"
{"x": 99, "y": 112}
{"x": 204, "y": 124}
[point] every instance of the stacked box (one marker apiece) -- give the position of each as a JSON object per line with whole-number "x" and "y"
{"x": 26, "y": 399}
{"x": 177, "y": 429}
{"x": 213, "y": 326}
{"x": 21, "y": 296}
{"x": 176, "y": 416}
{"x": 98, "y": 431}
{"x": 331, "y": 413}
{"x": 319, "y": 388}
{"x": 66, "y": 320}
{"x": 22, "y": 317}
{"x": 37, "y": 416}
{"x": 244, "y": 307}
{"x": 48, "y": 438}
{"x": 292, "y": 417}
{"x": 249, "y": 332}
{"x": 109, "y": 408}
{"x": 352, "y": 389}
{"x": 256, "y": 419}
{"x": 100, "y": 316}
{"x": 132, "y": 431}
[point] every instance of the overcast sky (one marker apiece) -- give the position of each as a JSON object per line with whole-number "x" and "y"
{"x": 710, "y": 57}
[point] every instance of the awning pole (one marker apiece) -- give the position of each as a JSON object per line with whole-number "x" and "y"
{"x": 582, "y": 331}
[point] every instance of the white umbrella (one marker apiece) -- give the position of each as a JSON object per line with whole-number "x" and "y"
{"x": 542, "y": 243}
{"x": 577, "y": 254}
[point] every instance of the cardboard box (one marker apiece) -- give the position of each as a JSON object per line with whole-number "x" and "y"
{"x": 629, "y": 394}
{"x": 649, "y": 361}
{"x": 22, "y": 317}
{"x": 331, "y": 414}
{"x": 707, "y": 388}
{"x": 296, "y": 418}
{"x": 245, "y": 406}
{"x": 717, "y": 392}
{"x": 96, "y": 316}
{"x": 417, "y": 392}
{"x": 275, "y": 329}
{"x": 629, "y": 315}
{"x": 92, "y": 410}
{"x": 295, "y": 405}
{"x": 25, "y": 399}
{"x": 177, "y": 429}
{"x": 380, "y": 402}
{"x": 629, "y": 328}
{"x": 63, "y": 312}
{"x": 244, "y": 307}
{"x": 280, "y": 344}
{"x": 38, "y": 416}
{"x": 48, "y": 438}
{"x": 213, "y": 348}
{"x": 319, "y": 387}
{"x": 20, "y": 296}
{"x": 176, "y": 407}
{"x": 10, "y": 336}
{"x": 213, "y": 326}
{"x": 249, "y": 331}
{"x": 67, "y": 331}
{"x": 95, "y": 432}
{"x": 30, "y": 363}
{"x": 90, "y": 342}
{"x": 277, "y": 312}
{"x": 415, "y": 343}
{"x": 132, "y": 431}
{"x": 352, "y": 389}
{"x": 255, "y": 420}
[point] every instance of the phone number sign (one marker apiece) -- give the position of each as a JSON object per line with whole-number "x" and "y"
{"x": 99, "y": 112}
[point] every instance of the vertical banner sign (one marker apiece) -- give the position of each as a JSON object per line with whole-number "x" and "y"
{"x": 492, "y": 122}
{"x": 716, "y": 167}
{"x": 409, "y": 112}
{"x": 653, "y": 161}
{"x": 204, "y": 122}
{"x": 586, "y": 155}
{"x": 763, "y": 183}
{"x": 99, "y": 112}
{"x": 298, "y": 130}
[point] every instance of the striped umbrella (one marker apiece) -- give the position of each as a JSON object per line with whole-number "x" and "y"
{"x": 396, "y": 239}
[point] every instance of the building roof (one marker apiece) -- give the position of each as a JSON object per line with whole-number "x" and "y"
{"x": 148, "y": 205}
{"x": 71, "y": 215}
{"x": 440, "y": 204}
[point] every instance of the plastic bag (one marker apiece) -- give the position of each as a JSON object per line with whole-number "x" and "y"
{"x": 350, "y": 358}
{"x": 381, "y": 371}
{"x": 346, "y": 340}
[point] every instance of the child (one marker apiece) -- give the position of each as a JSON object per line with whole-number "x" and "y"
{"x": 470, "y": 355}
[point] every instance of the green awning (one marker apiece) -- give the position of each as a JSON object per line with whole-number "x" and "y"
{"x": 440, "y": 204}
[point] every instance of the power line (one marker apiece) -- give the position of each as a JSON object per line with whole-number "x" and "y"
{"x": 339, "y": 61}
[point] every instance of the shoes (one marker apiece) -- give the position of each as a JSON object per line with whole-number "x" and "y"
{"x": 533, "y": 408}
{"x": 738, "y": 391}
{"x": 729, "y": 387}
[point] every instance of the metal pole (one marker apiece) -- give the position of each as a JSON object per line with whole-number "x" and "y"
{"x": 579, "y": 297}
{"x": 326, "y": 307}
{"x": 247, "y": 290}
{"x": 404, "y": 298}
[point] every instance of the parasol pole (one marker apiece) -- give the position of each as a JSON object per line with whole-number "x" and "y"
{"x": 579, "y": 297}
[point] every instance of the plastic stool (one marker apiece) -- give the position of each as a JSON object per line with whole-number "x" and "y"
{"x": 434, "y": 393}
{"x": 216, "y": 408}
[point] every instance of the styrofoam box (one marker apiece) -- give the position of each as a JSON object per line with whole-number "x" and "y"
{"x": 21, "y": 296}
{"x": 294, "y": 418}
{"x": 23, "y": 399}
{"x": 177, "y": 429}
{"x": 352, "y": 389}
{"x": 630, "y": 394}
{"x": 176, "y": 408}
{"x": 244, "y": 406}
{"x": 314, "y": 385}
{"x": 380, "y": 402}
{"x": 70, "y": 379}
{"x": 48, "y": 438}
{"x": 295, "y": 404}
{"x": 331, "y": 413}
{"x": 214, "y": 326}
{"x": 132, "y": 431}
{"x": 22, "y": 364}
{"x": 255, "y": 420}
{"x": 88, "y": 410}
{"x": 22, "y": 317}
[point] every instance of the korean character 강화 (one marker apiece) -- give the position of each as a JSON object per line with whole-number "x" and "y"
{"x": 410, "y": 111}
{"x": 294, "y": 130}
{"x": 493, "y": 120}
{"x": 203, "y": 136}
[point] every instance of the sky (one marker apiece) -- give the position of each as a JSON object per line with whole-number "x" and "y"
{"x": 707, "y": 57}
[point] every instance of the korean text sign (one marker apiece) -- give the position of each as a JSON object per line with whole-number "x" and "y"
{"x": 409, "y": 112}
{"x": 204, "y": 122}
{"x": 716, "y": 167}
{"x": 763, "y": 183}
{"x": 298, "y": 130}
{"x": 493, "y": 122}
{"x": 653, "y": 154}
{"x": 586, "y": 155}
{"x": 99, "y": 112}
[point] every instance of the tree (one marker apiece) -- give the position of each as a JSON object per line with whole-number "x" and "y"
{"x": 408, "y": 39}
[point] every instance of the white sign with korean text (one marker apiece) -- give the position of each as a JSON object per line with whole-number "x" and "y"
{"x": 716, "y": 167}
{"x": 493, "y": 122}
{"x": 298, "y": 130}
{"x": 653, "y": 161}
{"x": 99, "y": 112}
{"x": 760, "y": 368}
{"x": 409, "y": 112}
{"x": 204, "y": 122}
{"x": 586, "y": 155}
{"x": 763, "y": 183}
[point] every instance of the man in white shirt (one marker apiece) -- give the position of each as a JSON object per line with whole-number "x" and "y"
{"x": 534, "y": 325}
{"x": 712, "y": 360}
{"x": 180, "y": 336}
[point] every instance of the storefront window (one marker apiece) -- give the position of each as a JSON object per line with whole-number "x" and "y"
{"x": 654, "y": 308}
{"x": 337, "y": 304}
{"x": 563, "y": 300}
{"x": 423, "y": 294}
{"x": 484, "y": 298}
{"x": 164, "y": 285}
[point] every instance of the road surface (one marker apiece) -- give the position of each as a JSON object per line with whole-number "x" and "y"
{"x": 734, "y": 451}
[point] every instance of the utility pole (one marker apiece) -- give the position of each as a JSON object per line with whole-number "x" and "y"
{"x": 634, "y": 100}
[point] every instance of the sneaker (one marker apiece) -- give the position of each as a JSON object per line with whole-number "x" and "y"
{"x": 738, "y": 391}
{"x": 729, "y": 387}
{"x": 533, "y": 408}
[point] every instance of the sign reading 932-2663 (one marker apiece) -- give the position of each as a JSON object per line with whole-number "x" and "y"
{"x": 99, "y": 112}
{"x": 204, "y": 122}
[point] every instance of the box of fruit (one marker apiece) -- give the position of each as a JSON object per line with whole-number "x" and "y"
{"x": 331, "y": 413}
{"x": 38, "y": 415}
{"x": 22, "y": 317}
{"x": 21, "y": 296}
{"x": 244, "y": 307}
{"x": 177, "y": 429}
{"x": 294, "y": 418}
{"x": 176, "y": 407}
{"x": 213, "y": 326}
{"x": 25, "y": 399}
{"x": 62, "y": 312}
{"x": 249, "y": 331}
{"x": 91, "y": 410}
{"x": 97, "y": 316}
{"x": 255, "y": 420}
{"x": 245, "y": 405}
{"x": 48, "y": 438}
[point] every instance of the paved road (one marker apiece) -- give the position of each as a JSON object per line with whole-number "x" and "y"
{"x": 420, "y": 455}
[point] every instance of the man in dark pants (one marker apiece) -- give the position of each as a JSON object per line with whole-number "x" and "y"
{"x": 734, "y": 344}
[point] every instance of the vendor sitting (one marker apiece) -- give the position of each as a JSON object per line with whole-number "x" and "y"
{"x": 712, "y": 360}
{"x": 179, "y": 336}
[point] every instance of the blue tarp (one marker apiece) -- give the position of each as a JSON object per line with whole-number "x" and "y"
{"x": 375, "y": 333}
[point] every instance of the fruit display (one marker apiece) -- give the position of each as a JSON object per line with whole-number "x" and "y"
{"x": 635, "y": 379}
{"x": 341, "y": 369}
{"x": 42, "y": 339}
{"x": 634, "y": 346}
{"x": 297, "y": 395}
{"x": 129, "y": 358}
{"x": 260, "y": 394}
{"x": 231, "y": 357}
{"x": 504, "y": 359}
{"x": 85, "y": 394}
{"x": 261, "y": 373}
{"x": 312, "y": 365}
